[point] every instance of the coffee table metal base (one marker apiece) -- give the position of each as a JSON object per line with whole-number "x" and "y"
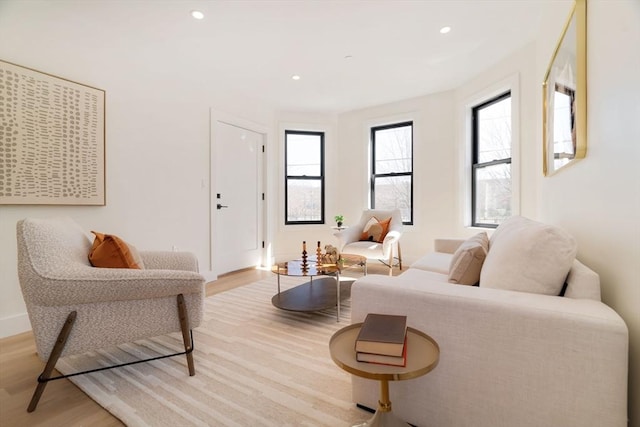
{"x": 317, "y": 294}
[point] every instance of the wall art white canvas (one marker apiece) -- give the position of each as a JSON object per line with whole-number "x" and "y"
{"x": 52, "y": 139}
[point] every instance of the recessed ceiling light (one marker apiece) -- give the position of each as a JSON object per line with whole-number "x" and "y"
{"x": 445, "y": 30}
{"x": 197, "y": 14}
{"x": 295, "y": 77}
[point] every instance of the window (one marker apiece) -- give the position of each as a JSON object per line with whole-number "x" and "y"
{"x": 564, "y": 127}
{"x": 304, "y": 177}
{"x": 491, "y": 153}
{"x": 392, "y": 168}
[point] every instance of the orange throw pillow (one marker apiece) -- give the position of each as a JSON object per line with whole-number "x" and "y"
{"x": 375, "y": 230}
{"x": 385, "y": 228}
{"x": 109, "y": 251}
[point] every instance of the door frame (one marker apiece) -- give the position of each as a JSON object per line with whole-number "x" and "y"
{"x": 216, "y": 118}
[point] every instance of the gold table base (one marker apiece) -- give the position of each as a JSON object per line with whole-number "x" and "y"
{"x": 383, "y": 417}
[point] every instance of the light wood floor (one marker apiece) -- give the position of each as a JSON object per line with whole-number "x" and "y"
{"x": 63, "y": 404}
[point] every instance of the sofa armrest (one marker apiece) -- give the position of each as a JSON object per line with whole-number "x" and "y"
{"x": 447, "y": 246}
{"x": 348, "y": 235}
{"x": 582, "y": 282}
{"x": 84, "y": 284}
{"x": 390, "y": 239}
{"x": 503, "y": 353}
{"x": 166, "y": 260}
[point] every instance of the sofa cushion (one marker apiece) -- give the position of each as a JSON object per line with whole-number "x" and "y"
{"x": 109, "y": 251}
{"x": 528, "y": 256}
{"x": 467, "y": 260}
{"x": 415, "y": 278}
{"x": 375, "y": 230}
{"x": 434, "y": 261}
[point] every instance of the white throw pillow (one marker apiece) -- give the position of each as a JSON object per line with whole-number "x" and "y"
{"x": 466, "y": 262}
{"x": 528, "y": 256}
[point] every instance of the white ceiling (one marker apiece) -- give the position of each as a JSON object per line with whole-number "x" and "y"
{"x": 252, "y": 48}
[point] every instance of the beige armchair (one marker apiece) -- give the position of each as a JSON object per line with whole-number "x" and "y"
{"x": 74, "y": 307}
{"x": 387, "y": 251}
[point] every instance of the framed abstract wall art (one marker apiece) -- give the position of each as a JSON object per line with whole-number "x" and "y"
{"x": 52, "y": 139}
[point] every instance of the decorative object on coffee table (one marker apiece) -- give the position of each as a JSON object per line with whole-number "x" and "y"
{"x": 331, "y": 255}
{"x": 304, "y": 252}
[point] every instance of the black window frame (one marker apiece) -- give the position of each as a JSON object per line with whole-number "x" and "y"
{"x": 320, "y": 177}
{"x": 375, "y": 175}
{"x": 475, "y": 154}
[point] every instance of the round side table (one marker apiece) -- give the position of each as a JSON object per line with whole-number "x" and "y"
{"x": 423, "y": 354}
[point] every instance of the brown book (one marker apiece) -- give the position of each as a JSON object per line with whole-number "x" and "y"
{"x": 382, "y": 334}
{"x": 381, "y": 359}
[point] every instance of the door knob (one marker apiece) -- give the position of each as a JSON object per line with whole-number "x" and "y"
{"x": 219, "y": 206}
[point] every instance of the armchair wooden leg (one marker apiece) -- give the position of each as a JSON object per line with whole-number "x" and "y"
{"x": 53, "y": 359}
{"x": 391, "y": 262}
{"x": 186, "y": 336}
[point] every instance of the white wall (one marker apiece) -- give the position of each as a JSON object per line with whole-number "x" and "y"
{"x": 433, "y": 181}
{"x": 347, "y": 171}
{"x": 157, "y": 140}
{"x": 287, "y": 240}
{"x": 515, "y": 73}
{"x": 598, "y": 198}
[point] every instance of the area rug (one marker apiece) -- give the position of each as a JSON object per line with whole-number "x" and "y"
{"x": 255, "y": 365}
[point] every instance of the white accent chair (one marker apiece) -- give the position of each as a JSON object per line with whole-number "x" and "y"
{"x": 74, "y": 307}
{"x": 387, "y": 251}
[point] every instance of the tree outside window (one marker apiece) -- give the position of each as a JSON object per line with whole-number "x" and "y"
{"x": 304, "y": 177}
{"x": 392, "y": 169}
{"x": 491, "y": 177}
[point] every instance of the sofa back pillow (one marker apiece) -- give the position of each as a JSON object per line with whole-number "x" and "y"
{"x": 528, "y": 256}
{"x": 375, "y": 230}
{"x": 466, "y": 262}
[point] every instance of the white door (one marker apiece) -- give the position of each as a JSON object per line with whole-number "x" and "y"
{"x": 236, "y": 198}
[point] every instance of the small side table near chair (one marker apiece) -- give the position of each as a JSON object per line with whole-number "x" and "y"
{"x": 423, "y": 354}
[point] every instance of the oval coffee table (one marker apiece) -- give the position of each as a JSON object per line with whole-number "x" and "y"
{"x": 423, "y": 354}
{"x": 316, "y": 294}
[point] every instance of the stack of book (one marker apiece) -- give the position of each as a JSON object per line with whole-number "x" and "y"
{"x": 383, "y": 339}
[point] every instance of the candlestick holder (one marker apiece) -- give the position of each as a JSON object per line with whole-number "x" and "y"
{"x": 304, "y": 252}
{"x": 304, "y": 258}
{"x": 318, "y": 254}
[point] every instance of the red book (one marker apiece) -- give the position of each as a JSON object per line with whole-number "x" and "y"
{"x": 384, "y": 360}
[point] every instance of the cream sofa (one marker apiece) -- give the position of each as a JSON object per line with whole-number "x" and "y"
{"x": 508, "y": 357}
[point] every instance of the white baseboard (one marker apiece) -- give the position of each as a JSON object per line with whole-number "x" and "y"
{"x": 209, "y": 276}
{"x": 14, "y": 325}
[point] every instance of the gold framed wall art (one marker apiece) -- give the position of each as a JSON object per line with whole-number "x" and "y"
{"x": 564, "y": 93}
{"x": 52, "y": 139}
